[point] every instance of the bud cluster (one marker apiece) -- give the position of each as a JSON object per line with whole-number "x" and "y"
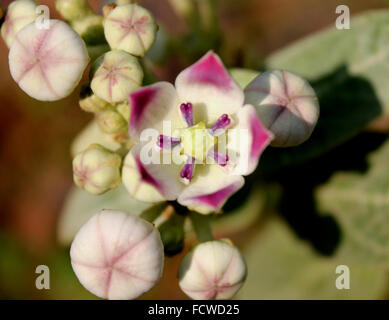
{"x": 117, "y": 255}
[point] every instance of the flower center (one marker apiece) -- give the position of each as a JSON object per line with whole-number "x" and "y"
{"x": 197, "y": 142}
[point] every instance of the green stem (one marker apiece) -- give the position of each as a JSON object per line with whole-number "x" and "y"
{"x": 202, "y": 226}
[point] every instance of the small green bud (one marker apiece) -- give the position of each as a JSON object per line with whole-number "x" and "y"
{"x": 92, "y": 134}
{"x": 130, "y": 28}
{"x": 97, "y": 169}
{"x": 90, "y": 28}
{"x": 173, "y": 235}
{"x": 125, "y": 110}
{"x": 116, "y": 77}
{"x": 89, "y": 102}
{"x": 73, "y": 9}
{"x": 19, "y": 14}
{"x": 112, "y": 122}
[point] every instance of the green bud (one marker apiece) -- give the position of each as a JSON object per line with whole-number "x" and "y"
{"x": 173, "y": 235}
{"x": 92, "y": 134}
{"x": 73, "y": 9}
{"x": 112, "y": 122}
{"x": 90, "y": 28}
{"x": 97, "y": 169}
{"x": 125, "y": 110}
{"x": 89, "y": 102}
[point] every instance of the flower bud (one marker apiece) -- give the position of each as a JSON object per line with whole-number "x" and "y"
{"x": 19, "y": 14}
{"x": 117, "y": 256}
{"x": 112, "y": 122}
{"x": 212, "y": 270}
{"x": 73, "y": 9}
{"x": 286, "y": 105}
{"x": 97, "y": 169}
{"x": 118, "y": 75}
{"x": 90, "y": 28}
{"x": 173, "y": 234}
{"x": 125, "y": 110}
{"x": 48, "y": 64}
{"x": 131, "y": 28}
{"x": 92, "y": 134}
{"x": 89, "y": 102}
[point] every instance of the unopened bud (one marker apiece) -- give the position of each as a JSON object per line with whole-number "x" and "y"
{"x": 125, "y": 110}
{"x": 112, "y": 122}
{"x": 173, "y": 235}
{"x": 48, "y": 64}
{"x": 118, "y": 75}
{"x": 89, "y": 102}
{"x": 97, "y": 169}
{"x": 90, "y": 28}
{"x": 19, "y": 14}
{"x": 286, "y": 105}
{"x": 73, "y": 9}
{"x": 92, "y": 134}
{"x": 131, "y": 28}
{"x": 117, "y": 256}
{"x": 212, "y": 270}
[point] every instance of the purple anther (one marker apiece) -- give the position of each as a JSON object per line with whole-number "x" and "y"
{"x": 221, "y": 124}
{"x": 187, "y": 113}
{"x": 188, "y": 169}
{"x": 220, "y": 158}
{"x": 168, "y": 143}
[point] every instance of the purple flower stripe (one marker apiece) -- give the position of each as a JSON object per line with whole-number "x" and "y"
{"x": 187, "y": 113}
{"x": 168, "y": 143}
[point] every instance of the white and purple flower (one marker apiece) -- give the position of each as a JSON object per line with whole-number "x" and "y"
{"x": 206, "y": 107}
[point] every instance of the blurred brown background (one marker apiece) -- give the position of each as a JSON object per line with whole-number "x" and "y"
{"x": 35, "y": 137}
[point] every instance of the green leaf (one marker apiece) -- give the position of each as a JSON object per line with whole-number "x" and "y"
{"x": 280, "y": 266}
{"x": 348, "y": 70}
{"x": 360, "y": 204}
{"x": 80, "y": 206}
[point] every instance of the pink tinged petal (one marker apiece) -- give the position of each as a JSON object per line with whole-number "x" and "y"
{"x": 220, "y": 125}
{"x": 210, "y": 189}
{"x": 247, "y": 140}
{"x": 105, "y": 255}
{"x": 187, "y": 113}
{"x": 167, "y": 143}
{"x": 151, "y": 106}
{"x": 209, "y": 87}
{"x": 145, "y": 175}
{"x": 152, "y": 182}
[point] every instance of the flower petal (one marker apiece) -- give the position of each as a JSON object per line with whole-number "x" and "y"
{"x": 210, "y": 189}
{"x": 151, "y": 106}
{"x": 247, "y": 140}
{"x": 150, "y": 182}
{"x": 209, "y": 87}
